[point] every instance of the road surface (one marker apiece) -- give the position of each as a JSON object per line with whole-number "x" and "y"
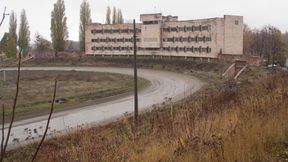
{"x": 163, "y": 85}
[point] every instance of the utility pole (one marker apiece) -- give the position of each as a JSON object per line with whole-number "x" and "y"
{"x": 135, "y": 77}
{"x": 273, "y": 49}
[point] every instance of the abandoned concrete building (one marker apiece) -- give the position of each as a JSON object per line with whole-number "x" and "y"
{"x": 159, "y": 35}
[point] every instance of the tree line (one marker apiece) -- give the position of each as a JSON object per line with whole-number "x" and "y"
{"x": 12, "y": 40}
{"x": 268, "y": 42}
{"x": 115, "y": 18}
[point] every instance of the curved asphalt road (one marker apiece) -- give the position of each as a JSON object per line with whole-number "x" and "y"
{"x": 163, "y": 85}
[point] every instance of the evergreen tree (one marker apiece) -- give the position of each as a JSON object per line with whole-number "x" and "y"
{"x": 24, "y": 33}
{"x": 59, "y": 30}
{"x": 85, "y": 18}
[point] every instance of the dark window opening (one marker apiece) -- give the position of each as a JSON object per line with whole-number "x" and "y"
{"x": 174, "y": 29}
{"x": 150, "y": 22}
{"x": 208, "y": 39}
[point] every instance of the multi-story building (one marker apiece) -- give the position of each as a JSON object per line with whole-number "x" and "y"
{"x": 167, "y": 36}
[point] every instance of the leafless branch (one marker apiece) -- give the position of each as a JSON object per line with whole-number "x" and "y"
{"x": 3, "y": 123}
{"x": 3, "y": 17}
{"x": 48, "y": 121}
{"x": 14, "y": 107}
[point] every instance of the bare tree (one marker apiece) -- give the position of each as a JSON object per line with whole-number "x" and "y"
{"x": 48, "y": 121}
{"x": 3, "y": 124}
{"x": 3, "y": 16}
{"x": 13, "y": 108}
{"x": 114, "y": 16}
{"x": 85, "y": 18}
{"x": 108, "y": 15}
{"x": 24, "y": 33}
{"x": 268, "y": 43}
{"x": 13, "y": 26}
{"x": 120, "y": 19}
{"x": 118, "y": 16}
{"x": 41, "y": 44}
{"x": 59, "y": 30}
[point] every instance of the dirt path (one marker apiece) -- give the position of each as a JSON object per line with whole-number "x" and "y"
{"x": 163, "y": 85}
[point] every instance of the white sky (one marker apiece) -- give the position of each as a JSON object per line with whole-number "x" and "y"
{"x": 257, "y": 13}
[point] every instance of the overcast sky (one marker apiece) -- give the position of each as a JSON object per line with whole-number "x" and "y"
{"x": 257, "y": 13}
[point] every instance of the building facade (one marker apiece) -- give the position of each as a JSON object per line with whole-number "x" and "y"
{"x": 167, "y": 36}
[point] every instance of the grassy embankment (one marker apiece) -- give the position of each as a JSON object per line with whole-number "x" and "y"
{"x": 228, "y": 121}
{"x": 78, "y": 88}
{"x": 203, "y": 70}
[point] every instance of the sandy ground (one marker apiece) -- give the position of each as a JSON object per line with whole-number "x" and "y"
{"x": 163, "y": 85}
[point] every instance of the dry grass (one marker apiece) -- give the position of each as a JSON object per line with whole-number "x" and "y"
{"x": 76, "y": 87}
{"x": 235, "y": 123}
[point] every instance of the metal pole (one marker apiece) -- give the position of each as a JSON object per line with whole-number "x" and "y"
{"x": 273, "y": 50}
{"x": 4, "y": 75}
{"x": 135, "y": 77}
